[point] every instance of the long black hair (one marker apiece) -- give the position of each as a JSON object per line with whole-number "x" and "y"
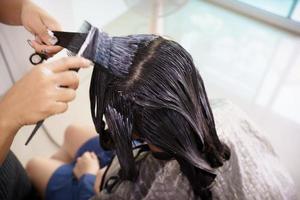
{"x": 163, "y": 99}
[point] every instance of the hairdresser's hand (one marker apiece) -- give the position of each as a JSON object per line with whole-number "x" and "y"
{"x": 38, "y": 94}
{"x": 38, "y": 22}
{"x": 86, "y": 164}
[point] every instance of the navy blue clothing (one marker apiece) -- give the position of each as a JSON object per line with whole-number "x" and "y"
{"x": 63, "y": 185}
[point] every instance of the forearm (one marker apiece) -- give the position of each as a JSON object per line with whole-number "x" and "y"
{"x": 7, "y": 134}
{"x": 10, "y": 11}
{"x": 5, "y": 143}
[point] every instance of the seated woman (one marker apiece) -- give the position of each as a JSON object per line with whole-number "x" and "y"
{"x": 71, "y": 172}
{"x": 162, "y": 101}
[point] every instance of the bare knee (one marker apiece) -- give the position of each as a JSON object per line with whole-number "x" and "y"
{"x": 32, "y": 165}
{"x": 71, "y": 131}
{"x": 82, "y": 132}
{"x": 40, "y": 170}
{"x": 75, "y": 136}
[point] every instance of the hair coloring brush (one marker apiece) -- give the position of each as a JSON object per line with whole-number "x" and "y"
{"x": 114, "y": 54}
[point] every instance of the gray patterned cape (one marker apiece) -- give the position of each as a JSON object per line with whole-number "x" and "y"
{"x": 253, "y": 171}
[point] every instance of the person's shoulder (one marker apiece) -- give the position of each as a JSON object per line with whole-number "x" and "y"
{"x": 14, "y": 181}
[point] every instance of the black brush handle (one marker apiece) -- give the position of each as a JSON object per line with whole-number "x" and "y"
{"x": 36, "y": 128}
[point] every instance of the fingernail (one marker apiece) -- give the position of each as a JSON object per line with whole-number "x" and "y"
{"x": 50, "y": 33}
{"x": 29, "y": 42}
{"x": 53, "y": 40}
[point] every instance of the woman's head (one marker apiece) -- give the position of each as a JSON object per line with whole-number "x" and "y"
{"x": 163, "y": 99}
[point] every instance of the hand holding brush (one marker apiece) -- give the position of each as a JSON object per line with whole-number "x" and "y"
{"x": 112, "y": 54}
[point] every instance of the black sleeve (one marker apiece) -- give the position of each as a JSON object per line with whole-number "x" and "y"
{"x": 14, "y": 182}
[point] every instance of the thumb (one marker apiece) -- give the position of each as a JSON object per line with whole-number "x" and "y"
{"x": 42, "y": 31}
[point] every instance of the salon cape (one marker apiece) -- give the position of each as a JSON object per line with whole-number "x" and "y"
{"x": 253, "y": 171}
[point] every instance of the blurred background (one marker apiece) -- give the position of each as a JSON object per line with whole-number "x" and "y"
{"x": 247, "y": 51}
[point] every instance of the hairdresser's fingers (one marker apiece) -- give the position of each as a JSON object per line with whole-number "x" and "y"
{"x": 38, "y": 39}
{"x": 43, "y": 32}
{"x": 40, "y": 29}
{"x": 38, "y": 22}
{"x": 44, "y": 49}
{"x": 67, "y": 63}
{"x": 68, "y": 79}
{"x": 65, "y": 94}
{"x": 59, "y": 107}
{"x": 50, "y": 50}
{"x": 51, "y": 23}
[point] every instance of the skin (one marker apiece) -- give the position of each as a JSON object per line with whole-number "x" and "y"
{"x": 41, "y": 169}
{"x": 86, "y": 164}
{"x": 38, "y": 94}
{"x": 35, "y": 20}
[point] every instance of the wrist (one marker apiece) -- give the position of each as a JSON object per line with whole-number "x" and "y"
{"x": 7, "y": 124}
{"x": 92, "y": 172}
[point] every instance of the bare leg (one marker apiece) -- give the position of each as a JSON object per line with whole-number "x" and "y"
{"x": 75, "y": 137}
{"x": 40, "y": 170}
{"x": 62, "y": 155}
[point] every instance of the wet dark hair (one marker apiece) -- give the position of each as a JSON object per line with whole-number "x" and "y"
{"x": 163, "y": 99}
